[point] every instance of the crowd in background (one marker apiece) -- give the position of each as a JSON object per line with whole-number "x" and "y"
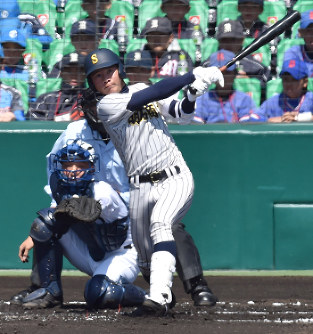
{"x": 43, "y": 45}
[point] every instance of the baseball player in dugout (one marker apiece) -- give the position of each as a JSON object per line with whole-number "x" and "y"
{"x": 88, "y": 223}
{"x": 161, "y": 184}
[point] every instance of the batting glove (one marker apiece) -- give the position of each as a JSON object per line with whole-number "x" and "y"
{"x": 209, "y": 75}
{"x": 196, "y": 89}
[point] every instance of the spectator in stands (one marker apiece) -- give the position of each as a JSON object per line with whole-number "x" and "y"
{"x": 223, "y": 104}
{"x": 13, "y": 44}
{"x": 295, "y": 103}
{"x": 9, "y": 9}
{"x": 249, "y": 18}
{"x": 230, "y": 37}
{"x": 61, "y": 105}
{"x": 304, "y": 52}
{"x": 165, "y": 51}
{"x": 83, "y": 37}
{"x": 135, "y": 3}
{"x": 37, "y": 30}
{"x": 175, "y": 11}
{"x": 107, "y": 27}
{"x": 29, "y": 25}
{"x": 138, "y": 66}
{"x": 11, "y": 105}
{"x": 254, "y": 27}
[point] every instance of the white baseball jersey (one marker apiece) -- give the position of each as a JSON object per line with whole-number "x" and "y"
{"x": 142, "y": 137}
{"x": 145, "y": 145}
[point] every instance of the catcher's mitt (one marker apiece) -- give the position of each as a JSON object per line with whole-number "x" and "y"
{"x": 78, "y": 210}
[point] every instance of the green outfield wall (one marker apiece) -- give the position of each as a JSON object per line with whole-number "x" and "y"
{"x": 253, "y": 203}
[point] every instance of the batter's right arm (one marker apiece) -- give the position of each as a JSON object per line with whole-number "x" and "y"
{"x": 159, "y": 91}
{"x": 163, "y": 89}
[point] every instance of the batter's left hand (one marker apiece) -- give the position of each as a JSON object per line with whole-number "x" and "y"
{"x": 209, "y": 75}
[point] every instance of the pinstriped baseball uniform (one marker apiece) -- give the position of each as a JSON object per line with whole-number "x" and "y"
{"x": 145, "y": 145}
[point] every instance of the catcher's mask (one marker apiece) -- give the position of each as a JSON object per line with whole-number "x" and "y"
{"x": 102, "y": 58}
{"x": 77, "y": 180}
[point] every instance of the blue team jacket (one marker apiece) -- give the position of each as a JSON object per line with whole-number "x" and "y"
{"x": 280, "y": 103}
{"x": 211, "y": 109}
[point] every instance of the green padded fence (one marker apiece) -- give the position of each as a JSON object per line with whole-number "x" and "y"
{"x": 253, "y": 203}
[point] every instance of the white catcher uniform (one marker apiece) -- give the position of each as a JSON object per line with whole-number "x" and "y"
{"x": 145, "y": 145}
{"x": 123, "y": 261}
{"x": 115, "y": 264}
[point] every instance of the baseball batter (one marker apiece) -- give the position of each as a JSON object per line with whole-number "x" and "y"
{"x": 161, "y": 184}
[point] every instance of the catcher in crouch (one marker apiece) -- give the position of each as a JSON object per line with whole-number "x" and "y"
{"x": 90, "y": 227}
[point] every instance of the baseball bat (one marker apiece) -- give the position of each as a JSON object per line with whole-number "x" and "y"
{"x": 275, "y": 30}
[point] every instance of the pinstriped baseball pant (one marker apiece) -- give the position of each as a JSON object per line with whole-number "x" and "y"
{"x": 154, "y": 208}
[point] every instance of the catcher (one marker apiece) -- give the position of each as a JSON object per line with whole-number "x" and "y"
{"x": 89, "y": 226}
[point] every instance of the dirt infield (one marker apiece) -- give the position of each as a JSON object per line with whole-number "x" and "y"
{"x": 246, "y": 305}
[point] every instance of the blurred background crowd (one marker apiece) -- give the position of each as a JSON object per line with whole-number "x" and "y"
{"x": 43, "y": 44}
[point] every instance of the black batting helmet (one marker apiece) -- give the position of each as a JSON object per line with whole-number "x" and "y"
{"x": 101, "y": 58}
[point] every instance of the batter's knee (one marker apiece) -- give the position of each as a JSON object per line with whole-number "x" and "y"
{"x": 161, "y": 231}
{"x": 101, "y": 292}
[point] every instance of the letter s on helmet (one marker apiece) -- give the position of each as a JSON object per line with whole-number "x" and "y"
{"x": 102, "y": 58}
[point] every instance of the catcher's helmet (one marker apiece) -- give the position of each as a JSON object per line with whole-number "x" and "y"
{"x": 101, "y": 58}
{"x": 74, "y": 151}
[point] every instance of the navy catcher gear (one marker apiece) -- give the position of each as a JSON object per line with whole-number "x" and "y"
{"x": 112, "y": 235}
{"x": 101, "y": 292}
{"x": 48, "y": 252}
{"x": 45, "y": 227}
{"x": 102, "y": 58}
{"x": 67, "y": 181}
{"x": 42, "y": 298}
{"x": 41, "y": 228}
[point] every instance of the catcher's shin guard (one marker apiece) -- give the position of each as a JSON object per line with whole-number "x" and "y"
{"x": 101, "y": 292}
{"x": 49, "y": 258}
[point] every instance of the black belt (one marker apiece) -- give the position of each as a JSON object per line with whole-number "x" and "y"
{"x": 156, "y": 176}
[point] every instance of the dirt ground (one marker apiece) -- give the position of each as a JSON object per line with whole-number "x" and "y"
{"x": 246, "y": 305}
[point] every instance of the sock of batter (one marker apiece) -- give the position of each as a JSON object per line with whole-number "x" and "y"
{"x": 161, "y": 277}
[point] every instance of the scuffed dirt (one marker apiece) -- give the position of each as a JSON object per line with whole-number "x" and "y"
{"x": 246, "y": 305}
